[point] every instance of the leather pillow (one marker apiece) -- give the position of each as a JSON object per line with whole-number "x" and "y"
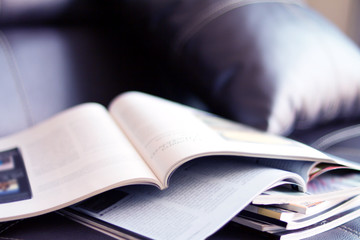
{"x": 275, "y": 65}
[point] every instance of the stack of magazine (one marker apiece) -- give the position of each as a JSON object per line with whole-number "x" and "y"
{"x": 146, "y": 167}
{"x": 328, "y": 201}
{"x": 287, "y": 211}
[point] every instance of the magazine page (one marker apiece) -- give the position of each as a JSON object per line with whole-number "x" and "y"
{"x": 203, "y": 196}
{"x": 168, "y": 134}
{"x": 72, "y": 156}
{"x": 328, "y": 186}
{"x": 306, "y": 232}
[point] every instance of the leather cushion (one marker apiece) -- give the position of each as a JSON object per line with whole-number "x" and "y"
{"x": 275, "y": 65}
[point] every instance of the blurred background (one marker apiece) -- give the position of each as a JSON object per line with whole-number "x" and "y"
{"x": 344, "y": 13}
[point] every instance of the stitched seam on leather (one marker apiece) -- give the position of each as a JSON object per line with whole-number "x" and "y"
{"x": 214, "y": 11}
{"x": 336, "y": 137}
{"x": 350, "y": 230}
{"x": 14, "y": 70}
{"x": 9, "y": 226}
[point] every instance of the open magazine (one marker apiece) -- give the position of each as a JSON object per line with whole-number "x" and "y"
{"x": 142, "y": 139}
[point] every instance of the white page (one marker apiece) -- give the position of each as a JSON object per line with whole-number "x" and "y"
{"x": 303, "y": 168}
{"x": 203, "y": 196}
{"x": 168, "y": 134}
{"x": 72, "y": 156}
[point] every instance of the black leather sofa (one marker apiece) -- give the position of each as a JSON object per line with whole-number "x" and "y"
{"x": 56, "y": 54}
